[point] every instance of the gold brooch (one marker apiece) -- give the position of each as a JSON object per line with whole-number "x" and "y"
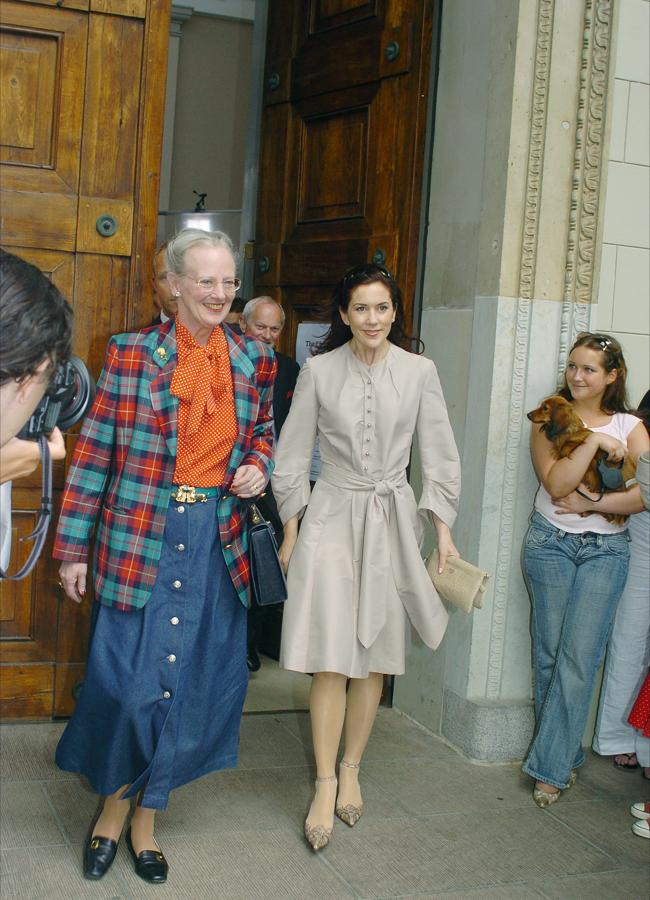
{"x": 162, "y": 354}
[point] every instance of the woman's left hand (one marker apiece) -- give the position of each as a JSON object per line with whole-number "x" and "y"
{"x": 573, "y": 503}
{"x": 446, "y": 546}
{"x": 248, "y": 482}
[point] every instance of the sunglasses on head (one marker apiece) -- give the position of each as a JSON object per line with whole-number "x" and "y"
{"x": 365, "y": 270}
{"x": 605, "y": 343}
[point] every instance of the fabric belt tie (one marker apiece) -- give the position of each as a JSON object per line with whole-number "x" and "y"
{"x": 390, "y": 553}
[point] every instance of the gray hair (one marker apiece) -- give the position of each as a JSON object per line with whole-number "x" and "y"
{"x": 178, "y": 246}
{"x": 249, "y": 310}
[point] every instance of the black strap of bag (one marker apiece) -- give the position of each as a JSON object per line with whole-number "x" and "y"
{"x": 40, "y": 532}
{"x": 268, "y": 584}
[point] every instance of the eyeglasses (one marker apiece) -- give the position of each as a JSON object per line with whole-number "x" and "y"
{"x": 365, "y": 270}
{"x": 207, "y": 285}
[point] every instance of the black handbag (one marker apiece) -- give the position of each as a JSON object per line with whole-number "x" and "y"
{"x": 268, "y": 584}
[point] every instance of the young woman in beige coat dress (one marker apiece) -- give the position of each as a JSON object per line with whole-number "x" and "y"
{"x": 355, "y": 574}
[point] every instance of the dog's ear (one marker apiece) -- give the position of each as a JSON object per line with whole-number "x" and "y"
{"x": 555, "y": 425}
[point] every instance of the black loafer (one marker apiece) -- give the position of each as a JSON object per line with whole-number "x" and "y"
{"x": 150, "y": 865}
{"x": 99, "y": 853}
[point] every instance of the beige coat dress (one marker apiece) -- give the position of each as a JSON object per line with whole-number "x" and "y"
{"x": 356, "y": 576}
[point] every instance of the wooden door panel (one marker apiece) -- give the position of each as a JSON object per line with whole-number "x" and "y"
{"x": 112, "y": 105}
{"x": 28, "y": 84}
{"x": 107, "y": 279}
{"x": 318, "y": 69}
{"x": 43, "y": 64}
{"x": 326, "y": 190}
{"x": 69, "y": 4}
{"x": 58, "y": 266}
{"x": 342, "y": 150}
{"x": 93, "y": 211}
{"x": 38, "y": 220}
{"x": 28, "y": 621}
{"x": 26, "y": 691}
{"x": 326, "y": 14}
{"x": 82, "y": 111}
{"x": 136, "y": 8}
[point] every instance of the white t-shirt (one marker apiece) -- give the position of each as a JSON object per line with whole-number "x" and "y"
{"x": 5, "y": 524}
{"x": 619, "y": 427}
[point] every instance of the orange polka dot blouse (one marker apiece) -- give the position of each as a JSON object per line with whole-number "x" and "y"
{"x": 207, "y": 421}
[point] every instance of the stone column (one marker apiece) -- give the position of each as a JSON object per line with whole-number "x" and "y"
{"x": 511, "y": 272}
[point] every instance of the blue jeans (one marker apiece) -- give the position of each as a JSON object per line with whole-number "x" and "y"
{"x": 574, "y": 581}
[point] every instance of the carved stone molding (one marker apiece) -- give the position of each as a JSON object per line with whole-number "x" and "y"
{"x": 587, "y": 171}
{"x": 537, "y": 140}
{"x": 530, "y": 236}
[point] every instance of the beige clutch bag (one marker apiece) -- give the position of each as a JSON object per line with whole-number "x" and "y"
{"x": 461, "y": 584}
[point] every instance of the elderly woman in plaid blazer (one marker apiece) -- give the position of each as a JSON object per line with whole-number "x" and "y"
{"x": 180, "y": 432}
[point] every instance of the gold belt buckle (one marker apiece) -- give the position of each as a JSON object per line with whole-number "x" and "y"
{"x": 186, "y": 493}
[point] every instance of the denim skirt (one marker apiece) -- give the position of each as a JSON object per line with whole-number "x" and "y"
{"x": 165, "y": 685}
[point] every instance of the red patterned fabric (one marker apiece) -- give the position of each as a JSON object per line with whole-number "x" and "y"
{"x": 640, "y": 713}
{"x": 207, "y": 423}
{"x": 122, "y": 468}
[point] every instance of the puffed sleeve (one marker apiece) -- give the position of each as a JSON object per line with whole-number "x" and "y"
{"x": 438, "y": 454}
{"x": 290, "y": 479}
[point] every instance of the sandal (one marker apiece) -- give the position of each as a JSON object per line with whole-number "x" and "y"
{"x": 630, "y": 763}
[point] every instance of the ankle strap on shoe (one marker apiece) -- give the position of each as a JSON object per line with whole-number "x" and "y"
{"x": 349, "y": 765}
{"x": 320, "y": 780}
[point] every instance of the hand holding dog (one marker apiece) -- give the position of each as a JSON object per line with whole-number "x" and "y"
{"x": 574, "y": 504}
{"x": 616, "y": 451}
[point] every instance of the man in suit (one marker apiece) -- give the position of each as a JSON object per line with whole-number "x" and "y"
{"x": 163, "y": 296}
{"x": 263, "y": 319}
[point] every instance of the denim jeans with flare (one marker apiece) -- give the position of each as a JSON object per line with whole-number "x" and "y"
{"x": 574, "y": 581}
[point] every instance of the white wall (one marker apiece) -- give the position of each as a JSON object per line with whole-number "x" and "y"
{"x": 624, "y": 296}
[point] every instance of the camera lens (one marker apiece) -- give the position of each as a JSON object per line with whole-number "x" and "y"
{"x": 80, "y": 394}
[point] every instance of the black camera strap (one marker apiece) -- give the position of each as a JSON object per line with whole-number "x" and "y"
{"x": 40, "y": 532}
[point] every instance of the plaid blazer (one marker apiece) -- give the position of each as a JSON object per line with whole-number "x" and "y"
{"x": 123, "y": 463}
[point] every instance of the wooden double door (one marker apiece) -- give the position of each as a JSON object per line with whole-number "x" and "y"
{"x": 82, "y": 84}
{"x": 81, "y": 107}
{"x": 342, "y": 153}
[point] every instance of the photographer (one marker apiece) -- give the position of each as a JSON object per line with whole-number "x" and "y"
{"x": 35, "y": 335}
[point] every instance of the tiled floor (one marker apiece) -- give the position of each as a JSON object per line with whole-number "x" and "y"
{"x": 273, "y": 688}
{"x": 434, "y": 825}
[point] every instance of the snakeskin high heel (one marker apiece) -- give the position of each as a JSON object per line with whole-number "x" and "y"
{"x": 349, "y": 813}
{"x": 318, "y": 836}
{"x": 548, "y": 798}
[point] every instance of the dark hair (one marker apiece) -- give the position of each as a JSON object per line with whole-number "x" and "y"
{"x": 615, "y": 396}
{"x": 339, "y": 333}
{"x": 36, "y": 319}
{"x": 643, "y": 410}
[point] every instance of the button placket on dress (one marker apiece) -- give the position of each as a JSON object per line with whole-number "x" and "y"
{"x": 170, "y": 652}
{"x": 369, "y": 422}
{"x": 173, "y": 634}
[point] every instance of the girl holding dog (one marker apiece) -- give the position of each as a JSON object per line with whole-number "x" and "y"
{"x": 576, "y": 564}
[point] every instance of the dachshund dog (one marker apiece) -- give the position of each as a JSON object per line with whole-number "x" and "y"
{"x": 566, "y": 431}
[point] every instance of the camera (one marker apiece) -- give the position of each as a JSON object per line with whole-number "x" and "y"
{"x": 65, "y": 402}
